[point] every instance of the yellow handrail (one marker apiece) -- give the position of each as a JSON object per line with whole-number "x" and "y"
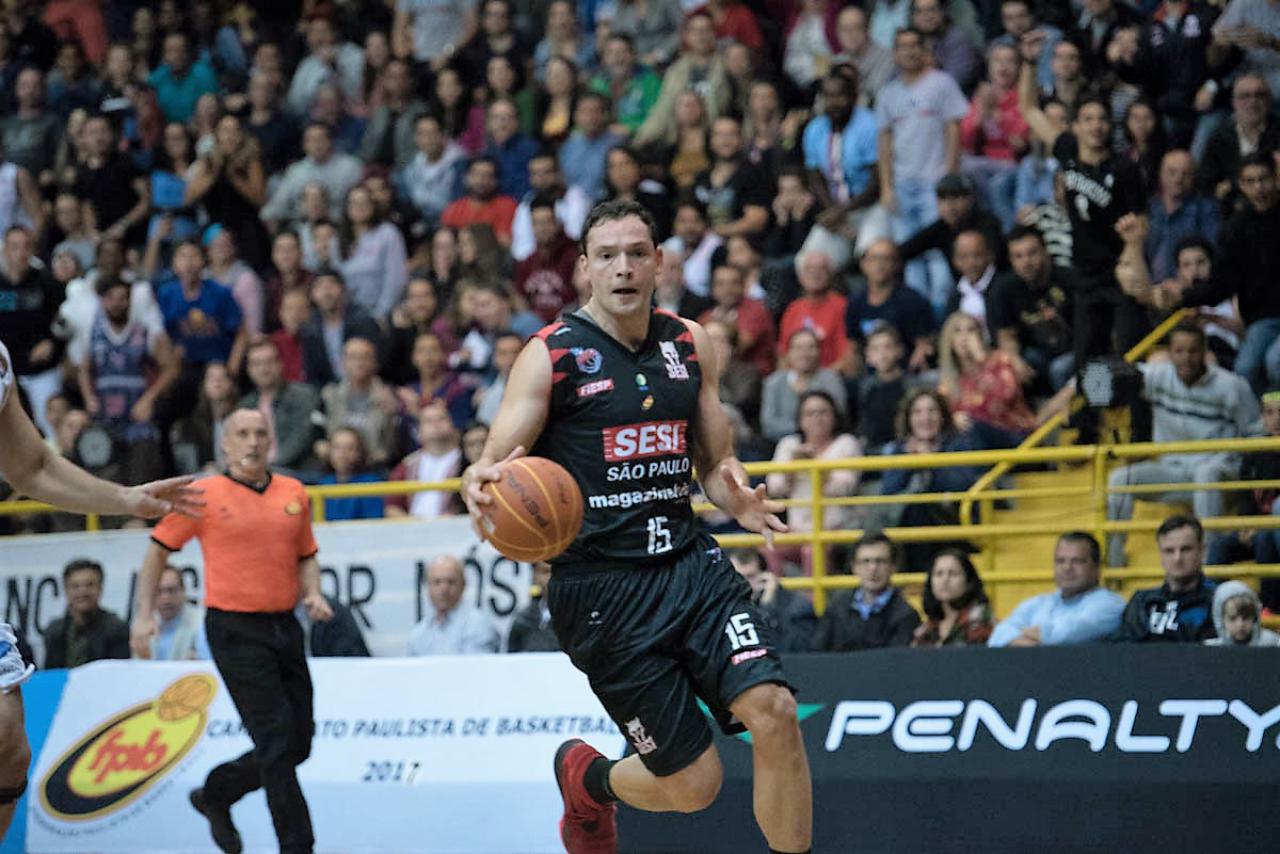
{"x": 984, "y": 483}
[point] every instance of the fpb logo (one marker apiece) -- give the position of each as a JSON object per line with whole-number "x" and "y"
{"x": 121, "y": 758}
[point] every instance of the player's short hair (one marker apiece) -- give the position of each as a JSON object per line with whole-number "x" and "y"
{"x": 1086, "y": 539}
{"x": 1177, "y": 523}
{"x": 614, "y": 210}
{"x": 79, "y": 565}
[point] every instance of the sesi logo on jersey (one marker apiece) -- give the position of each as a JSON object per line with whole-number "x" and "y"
{"x": 650, "y": 439}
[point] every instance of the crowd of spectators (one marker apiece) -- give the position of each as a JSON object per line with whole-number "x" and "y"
{"x": 1187, "y": 607}
{"x": 905, "y": 223}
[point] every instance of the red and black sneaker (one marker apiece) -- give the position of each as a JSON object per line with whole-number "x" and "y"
{"x": 586, "y": 826}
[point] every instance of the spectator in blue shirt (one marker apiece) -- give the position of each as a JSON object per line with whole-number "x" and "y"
{"x": 179, "y": 82}
{"x": 512, "y": 149}
{"x": 1176, "y": 211}
{"x": 200, "y": 315}
{"x": 348, "y": 461}
{"x": 1079, "y": 611}
{"x": 583, "y": 155}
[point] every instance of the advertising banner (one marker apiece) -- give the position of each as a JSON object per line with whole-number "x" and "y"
{"x": 445, "y": 754}
{"x": 375, "y": 567}
{"x": 1103, "y": 748}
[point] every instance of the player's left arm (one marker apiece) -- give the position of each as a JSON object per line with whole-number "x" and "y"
{"x": 723, "y": 478}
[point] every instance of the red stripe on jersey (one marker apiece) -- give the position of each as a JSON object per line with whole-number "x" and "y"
{"x": 558, "y": 376}
{"x": 686, "y": 336}
{"x": 547, "y": 331}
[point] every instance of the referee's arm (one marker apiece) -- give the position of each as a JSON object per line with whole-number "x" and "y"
{"x": 144, "y": 621}
{"x": 317, "y": 606}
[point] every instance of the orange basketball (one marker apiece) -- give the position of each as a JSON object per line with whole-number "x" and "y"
{"x": 536, "y": 511}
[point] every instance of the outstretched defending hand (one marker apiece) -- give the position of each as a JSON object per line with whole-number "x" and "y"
{"x": 174, "y": 495}
{"x": 474, "y": 478}
{"x": 753, "y": 509}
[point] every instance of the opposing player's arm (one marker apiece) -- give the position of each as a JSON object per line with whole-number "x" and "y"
{"x": 723, "y": 478}
{"x": 36, "y": 471}
{"x": 521, "y": 416}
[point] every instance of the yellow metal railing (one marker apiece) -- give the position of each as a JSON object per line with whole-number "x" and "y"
{"x": 1097, "y": 458}
{"x": 982, "y": 488}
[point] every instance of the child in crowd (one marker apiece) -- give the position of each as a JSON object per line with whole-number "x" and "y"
{"x": 880, "y": 391}
{"x": 1236, "y": 612}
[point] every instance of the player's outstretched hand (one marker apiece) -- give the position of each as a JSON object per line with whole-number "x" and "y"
{"x": 155, "y": 499}
{"x": 753, "y": 508}
{"x": 473, "y": 481}
{"x": 317, "y": 607}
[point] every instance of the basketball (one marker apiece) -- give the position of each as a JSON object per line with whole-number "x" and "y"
{"x": 536, "y": 511}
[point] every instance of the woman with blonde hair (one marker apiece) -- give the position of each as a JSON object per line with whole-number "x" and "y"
{"x": 982, "y": 385}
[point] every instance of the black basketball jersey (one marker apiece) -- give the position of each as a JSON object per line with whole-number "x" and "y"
{"x": 620, "y": 422}
{"x": 1097, "y": 196}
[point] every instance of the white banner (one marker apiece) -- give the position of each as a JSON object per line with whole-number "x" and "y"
{"x": 445, "y": 754}
{"x": 375, "y": 567}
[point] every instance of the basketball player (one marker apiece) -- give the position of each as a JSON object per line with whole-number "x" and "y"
{"x": 644, "y": 602}
{"x": 28, "y": 464}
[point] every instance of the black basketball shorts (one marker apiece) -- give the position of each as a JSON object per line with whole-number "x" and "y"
{"x": 655, "y": 641}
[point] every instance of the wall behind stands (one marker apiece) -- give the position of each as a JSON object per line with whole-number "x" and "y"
{"x": 375, "y": 567}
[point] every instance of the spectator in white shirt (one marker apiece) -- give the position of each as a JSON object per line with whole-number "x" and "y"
{"x": 430, "y": 177}
{"x": 453, "y": 627}
{"x": 973, "y": 258}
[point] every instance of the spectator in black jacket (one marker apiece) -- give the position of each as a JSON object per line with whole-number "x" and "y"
{"x": 334, "y": 323}
{"x": 87, "y": 633}
{"x": 1030, "y": 310}
{"x": 1250, "y": 124}
{"x": 531, "y": 627}
{"x": 786, "y": 613}
{"x": 1181, "y": 609}
{"x": 1247, "y": 266}
{"x": 957, "y": 211}
{"x": 1169, "y": 59}
{"x": 875, "y": 614}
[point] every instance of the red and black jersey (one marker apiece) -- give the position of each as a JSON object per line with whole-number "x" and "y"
{"x": 621, "y": 421}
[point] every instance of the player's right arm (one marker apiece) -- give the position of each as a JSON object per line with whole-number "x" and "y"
{"x": 518, "y": 424}
{"x": 35, "y": 470}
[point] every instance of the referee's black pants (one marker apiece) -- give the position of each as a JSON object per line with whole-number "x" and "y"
{"x": 263, "y": 664}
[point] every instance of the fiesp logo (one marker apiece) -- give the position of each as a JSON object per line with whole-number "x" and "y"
{"x": 122, "y": 757}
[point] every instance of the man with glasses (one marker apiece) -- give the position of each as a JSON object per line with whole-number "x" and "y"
{"x": 1252, "y": 128}
{"x": 875, "y": 614}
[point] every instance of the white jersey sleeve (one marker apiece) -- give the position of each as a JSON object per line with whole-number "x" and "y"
{"x": 7, "y": 377}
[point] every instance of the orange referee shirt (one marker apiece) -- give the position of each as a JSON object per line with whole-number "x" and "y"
{"x": 252, "y": 542}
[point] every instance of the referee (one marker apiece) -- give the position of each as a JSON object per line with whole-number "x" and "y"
{"x": 259, "y": 559}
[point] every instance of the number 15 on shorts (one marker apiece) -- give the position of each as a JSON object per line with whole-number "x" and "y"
{"x": 741, "y": 631}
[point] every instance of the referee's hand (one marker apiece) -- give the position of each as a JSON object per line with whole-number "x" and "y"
{"x": 317, "y": 608}
{"x": 473, "y": 481}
